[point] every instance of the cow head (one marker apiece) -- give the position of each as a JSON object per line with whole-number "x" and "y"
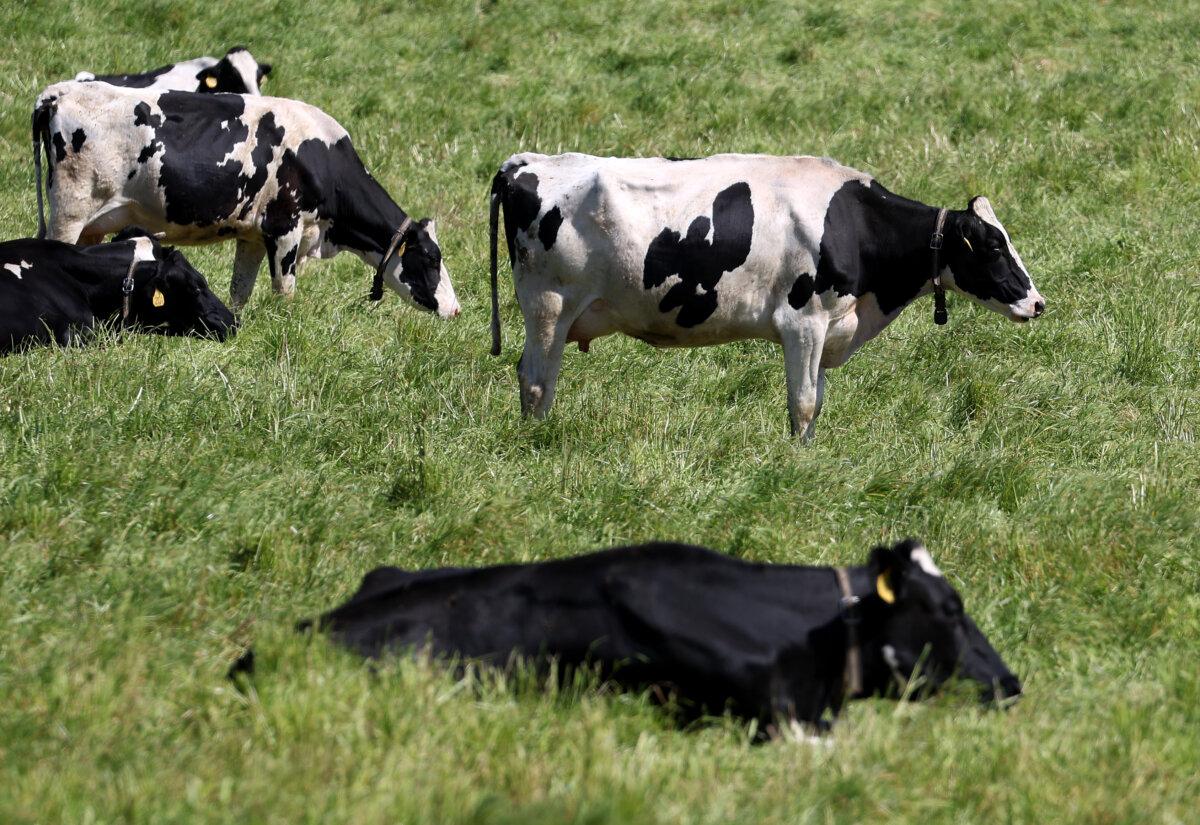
{"x": 170, "y": 296}
{"x": 418, "y": 274}
{"x": 237, "y": 72}
{"x": 919, "y": 628}
{"x": 985, "y": 267}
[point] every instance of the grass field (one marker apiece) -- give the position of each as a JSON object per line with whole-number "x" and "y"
{"x": 165, "y": 502}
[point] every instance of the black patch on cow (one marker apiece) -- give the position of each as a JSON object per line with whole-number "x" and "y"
{"x": 548, "y": 228}
{"x": 802, "y": 291}
{"x": 134, "y": 81}
{"x": 77, "y": 139}
{"x": 200, "y": 188}
{"x": 132, "y": 173}
{"x": 521, "y": 205}
{"x": 698, "y": 262}
{"x": 148, "y": 151}
{"x": 60, "y": 147}
{"x": 676, "y": 159}
{"x": 289, "y": 261}
{"x": 267, "y": 137}
{"x": 874, "y": 241}
{"x": 142, "y": 116}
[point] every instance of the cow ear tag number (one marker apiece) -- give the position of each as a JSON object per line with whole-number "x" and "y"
{"x": 158, "y": 299}
{"x": 884, "y": 589}
{"x": 210, "y": 82}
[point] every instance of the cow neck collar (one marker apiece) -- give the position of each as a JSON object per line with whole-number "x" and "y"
{"x": 127, "y": 289}
{"x": 377, "y": 283}
{"x": 940, "y": 316}
{"x": 852, "y": 676}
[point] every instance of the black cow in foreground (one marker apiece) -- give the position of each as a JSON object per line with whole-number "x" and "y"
{"x": 235, "y": 73}
{"x": 776, "y": 643}
{"x": 53, "y": 292}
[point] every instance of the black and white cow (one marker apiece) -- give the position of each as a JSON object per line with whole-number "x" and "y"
{"x": 237, "y": 73}
{"x": 683, "y": 253}
{"x": 775, "y": 643}
{"x": 52, "y": 292}
{"x": 278, "y": 176}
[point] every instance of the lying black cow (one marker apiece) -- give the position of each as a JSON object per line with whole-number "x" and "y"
{"x": 776, "y": 643}
{"x": 52, "y": 292}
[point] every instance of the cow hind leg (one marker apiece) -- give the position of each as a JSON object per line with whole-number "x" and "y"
{"x": 802, "y": 347}
{"x": 548, "y": 319}
{"x": 247, "y": 259}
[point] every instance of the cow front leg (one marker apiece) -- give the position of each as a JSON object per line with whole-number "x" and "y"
{"x": 283, "y": 253}
{"x": 546, "y": 327}
{"x": 247, "y": 258}
{"x": 802, "y": 347}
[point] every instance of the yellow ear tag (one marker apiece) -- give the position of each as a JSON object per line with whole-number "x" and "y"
{"x": 158, "y": 299}
{"x": 884, "y": 589}
{"x": 210, "y": 82}
{"x": 968, "y": 243}
{"x": 400, "y": 251}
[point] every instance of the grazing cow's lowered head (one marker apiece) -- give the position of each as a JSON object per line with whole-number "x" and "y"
{"x": 237, "y": 72}
{"x": 985, "y": 266}
{"x": 915, "y": 631}
{"x": 169, "y": 295}
{"x": 416, "y": 271}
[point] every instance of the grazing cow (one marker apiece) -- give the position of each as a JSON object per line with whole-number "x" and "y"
{"x": 776, "y": 643}
{"x": 278, "y": 176}
{"x": 683, "y": 253}
{"x": 52, "y": 292}
{"x": 237, "y": 73}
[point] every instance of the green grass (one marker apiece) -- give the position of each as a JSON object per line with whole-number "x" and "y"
{"x": 164, "y": 502}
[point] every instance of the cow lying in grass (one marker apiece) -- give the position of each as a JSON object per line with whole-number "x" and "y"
{"x": 774, "y": 643}
{"x": 53, "y": 292}
{"x": 801, "y": 251}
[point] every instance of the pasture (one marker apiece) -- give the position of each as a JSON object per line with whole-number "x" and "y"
{"x": 164, "y": 502}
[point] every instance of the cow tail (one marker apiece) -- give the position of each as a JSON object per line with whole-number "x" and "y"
{"x": 497, "y": 196}
{"x": 40, "y": 129}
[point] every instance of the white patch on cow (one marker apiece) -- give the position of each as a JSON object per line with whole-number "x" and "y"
{"x": 247, "y": 68}
{"x": 889, "y": 656}
{"x": 143, "y": 249}
{"x": 921, "y": 557}
{"x": 85, "y": 76}
{"x": 15, "y": 269}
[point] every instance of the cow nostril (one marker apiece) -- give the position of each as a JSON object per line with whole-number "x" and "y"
{"x": 1038, "y": 308}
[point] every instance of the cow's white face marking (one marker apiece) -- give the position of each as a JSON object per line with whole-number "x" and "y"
{"x": 1026, "y": 307}
{"x": 247, "y": 69}
{"x": 15, "y": 269}
{"x": 143, "y": 249}
{"x": 922, "y": 559}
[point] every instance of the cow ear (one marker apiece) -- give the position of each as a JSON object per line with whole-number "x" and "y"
{"x": 264, "y": 69}
{"x": 208, "y": 79}
{"x": 888, "y": 567}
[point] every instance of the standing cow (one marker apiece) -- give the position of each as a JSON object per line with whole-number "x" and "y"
{"x": 237, "y": 73}
{"x": 278, "y": 176}
{"x": 683, "y": 253}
